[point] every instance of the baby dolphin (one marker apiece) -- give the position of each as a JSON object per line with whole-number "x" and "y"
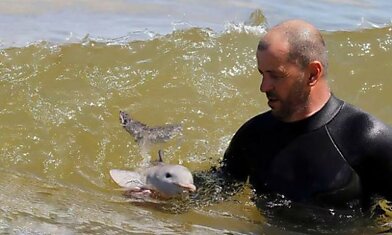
{"x": 141, "y": 132}
{"x": 159, "y": 181}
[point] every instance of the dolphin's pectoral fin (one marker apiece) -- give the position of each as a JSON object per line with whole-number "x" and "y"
{"x": 127, "y": 179}
{"x": 138, "y": 194}
{"x": 126, "y": 189}
{"x": 143, "y": 192}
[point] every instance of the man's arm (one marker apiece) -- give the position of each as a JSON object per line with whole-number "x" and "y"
{"x": 220, "y": 183}
{"x": 214, "y": 186}
{"x": 366, "y": 144}
{"x": 235, "y": 162}
{"x": 378, "y": 163}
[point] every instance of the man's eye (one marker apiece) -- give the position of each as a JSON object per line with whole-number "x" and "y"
{"x": 275, "y": 77}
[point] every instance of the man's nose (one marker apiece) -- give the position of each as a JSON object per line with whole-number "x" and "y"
{"x": 265, "y": 85}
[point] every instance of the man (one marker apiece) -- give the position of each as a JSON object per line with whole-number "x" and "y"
{"x": 311, "y": 147}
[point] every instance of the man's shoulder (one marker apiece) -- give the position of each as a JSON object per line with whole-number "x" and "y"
{"x": 354, "y": 116}
{"x": 359, "y": 124}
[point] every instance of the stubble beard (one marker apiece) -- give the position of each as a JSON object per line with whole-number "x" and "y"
{"x": 297, "y": 102}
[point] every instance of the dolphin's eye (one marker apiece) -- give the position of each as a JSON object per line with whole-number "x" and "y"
{"x": 168, "y": 175}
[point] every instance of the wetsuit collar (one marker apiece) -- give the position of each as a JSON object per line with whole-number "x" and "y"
{"x": 321, "y": 117}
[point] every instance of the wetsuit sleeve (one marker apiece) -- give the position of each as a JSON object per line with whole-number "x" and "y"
{"x": 366, "y": 143}
{"x": 235, "y": 163}
{"x": 222, "y": 182}
{"x": 377, "y": 167}
{"x": 214, "y": 186}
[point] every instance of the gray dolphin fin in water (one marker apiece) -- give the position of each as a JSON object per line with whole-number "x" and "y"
{"x": 161, "y": 181}
{"x": 141, "y": 132}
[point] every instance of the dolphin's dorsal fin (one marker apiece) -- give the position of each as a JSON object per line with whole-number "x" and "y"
{"x": 160, "y": 155}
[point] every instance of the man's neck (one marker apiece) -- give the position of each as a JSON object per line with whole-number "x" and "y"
{"x": 314, "y": 104}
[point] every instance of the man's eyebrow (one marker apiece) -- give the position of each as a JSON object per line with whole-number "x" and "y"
{"x": 270, "y": 72}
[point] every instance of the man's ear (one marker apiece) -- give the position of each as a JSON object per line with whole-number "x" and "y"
{"x": 316, "y": 71}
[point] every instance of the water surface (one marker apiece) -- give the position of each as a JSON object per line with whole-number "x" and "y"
{"x": 68, "y": 67}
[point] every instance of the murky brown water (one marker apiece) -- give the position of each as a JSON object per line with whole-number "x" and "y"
{"x": 60, "y": 133}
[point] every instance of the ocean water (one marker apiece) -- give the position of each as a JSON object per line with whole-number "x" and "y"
{"x": 68, "y": 67}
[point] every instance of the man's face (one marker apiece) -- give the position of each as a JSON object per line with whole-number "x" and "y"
{"x": 284, "y": 82}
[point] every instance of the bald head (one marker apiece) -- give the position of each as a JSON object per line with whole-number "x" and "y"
{"x": 302, "y": 41}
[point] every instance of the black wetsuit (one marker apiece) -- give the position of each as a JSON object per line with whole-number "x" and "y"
{"x": 338, "y": 155}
